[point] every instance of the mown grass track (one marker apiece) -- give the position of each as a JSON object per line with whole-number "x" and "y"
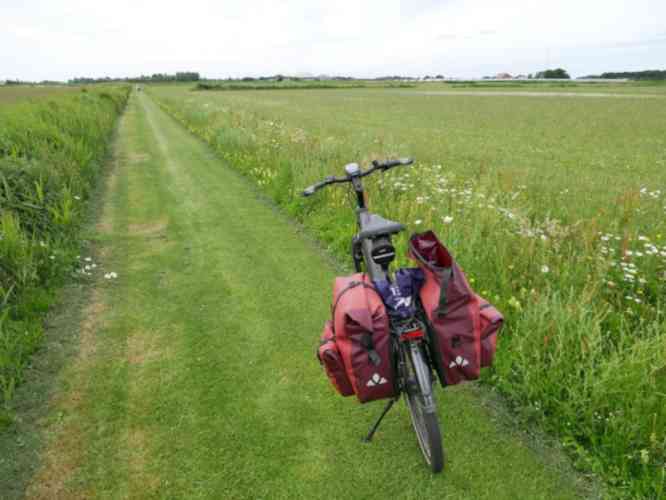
{"x": 196, "y": 376}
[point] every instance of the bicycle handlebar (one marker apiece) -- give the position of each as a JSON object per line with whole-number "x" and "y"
{"x": 376, "y": 165}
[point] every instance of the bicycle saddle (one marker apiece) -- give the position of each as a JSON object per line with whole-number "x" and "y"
{"x": 374, "y": 225}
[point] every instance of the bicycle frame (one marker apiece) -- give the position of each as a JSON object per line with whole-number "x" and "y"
{"x": 372, "y": 247}
{"x": 374, "y": 270}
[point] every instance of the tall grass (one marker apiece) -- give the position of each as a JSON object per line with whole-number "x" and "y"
{"x": 51, "y": 152}
{"x": 573, "y": 253}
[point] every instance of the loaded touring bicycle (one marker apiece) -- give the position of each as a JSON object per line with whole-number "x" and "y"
{"x": 394, "y": 333}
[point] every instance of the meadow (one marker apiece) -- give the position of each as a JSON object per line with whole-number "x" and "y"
{"x": 577, "y": 86}
{"x": 12, "y": 93}
{"x": 289, "y": 84}
{"x": 555, "y": 207}
{"x": 52, "y": 147}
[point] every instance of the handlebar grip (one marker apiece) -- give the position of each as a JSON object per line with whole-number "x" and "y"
{"x": 310, "y": 190}
{"x": 385, "y": 165}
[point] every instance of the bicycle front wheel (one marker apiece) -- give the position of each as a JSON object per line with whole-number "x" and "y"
{"x": 422, "y": 409}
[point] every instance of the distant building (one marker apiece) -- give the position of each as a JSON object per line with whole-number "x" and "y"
{"x": 503, "y": 76}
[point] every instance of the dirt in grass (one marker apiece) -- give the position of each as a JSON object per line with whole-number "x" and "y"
{"x": 138, "y": 157}
{"x": 143, "y": 347}
{"x": 63, "y": 455}
{"x": 105, "y": 223}
{"x": 150, "y": 229}
{"x": 142, "y": 483}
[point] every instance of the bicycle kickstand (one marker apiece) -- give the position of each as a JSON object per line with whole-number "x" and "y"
{"x": 388, "y": 406}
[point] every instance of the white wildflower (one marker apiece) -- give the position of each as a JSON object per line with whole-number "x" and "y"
{"x": 545, "y": 269}
{"x": 447, "y": 220}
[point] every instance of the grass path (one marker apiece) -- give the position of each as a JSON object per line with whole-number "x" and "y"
{"x": 195, "y": 374}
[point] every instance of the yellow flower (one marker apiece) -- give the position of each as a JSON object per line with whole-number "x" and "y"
{"x": 515, "y": 303}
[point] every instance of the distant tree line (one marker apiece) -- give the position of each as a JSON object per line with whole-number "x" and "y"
{"x": 26, "y": 82}
{"x": 652, "y": 74}
{"x": 280, "y": 78}
{"x": 182, "y": 76}
{"x": 396, "y": 77}
{"x": 558, "y": 73}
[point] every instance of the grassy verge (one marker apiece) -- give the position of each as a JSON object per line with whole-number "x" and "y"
{"x": 579, "y": 267}
{"x": 50, "y": 155}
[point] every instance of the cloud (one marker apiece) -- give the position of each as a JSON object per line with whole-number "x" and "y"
{"x": 466, "y": 36}
{"x": 58, "y": 39}
{"x": 647, "y": 42}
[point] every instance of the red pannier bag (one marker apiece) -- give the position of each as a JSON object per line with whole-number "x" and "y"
{"x": 453, "y": 310}
{"x": 491, "y": 322}
{"x": 361, "y": 332}
{"x": 329, "y": 357}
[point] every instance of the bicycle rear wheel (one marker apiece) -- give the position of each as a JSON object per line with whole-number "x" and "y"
{"x": 422, "y": 409}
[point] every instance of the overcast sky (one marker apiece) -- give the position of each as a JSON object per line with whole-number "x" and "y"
{"x": 61, "y": 39}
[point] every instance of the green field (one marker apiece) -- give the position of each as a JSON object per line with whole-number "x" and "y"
{"x": 577, "y": 86}
{"x": 654, "y": 88}
{"x": 12, "y": 93}
{"x": 555, "y": 206}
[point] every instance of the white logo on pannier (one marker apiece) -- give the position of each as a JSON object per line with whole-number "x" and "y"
{"x": 404, "y": 302}
{"x": 376, "y": 380}
{"x": 459, "y": 361}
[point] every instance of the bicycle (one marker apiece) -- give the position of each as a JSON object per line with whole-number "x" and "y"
{"x": 373, "y": 251}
